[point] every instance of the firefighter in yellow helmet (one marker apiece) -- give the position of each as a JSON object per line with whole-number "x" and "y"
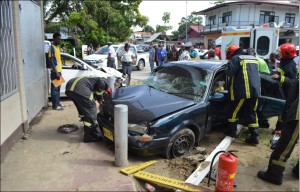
{"x": 244, "y": 91}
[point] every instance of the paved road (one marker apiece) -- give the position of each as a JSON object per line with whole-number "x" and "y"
{"x": 141, "y": 75}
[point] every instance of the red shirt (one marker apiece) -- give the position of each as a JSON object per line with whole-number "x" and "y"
{"x": 218, "y": 53}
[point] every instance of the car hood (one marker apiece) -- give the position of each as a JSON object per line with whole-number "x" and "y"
{"x": 145, "y": 103}
{"x": 95, "y": 57}
{"x": 111, "y": 71}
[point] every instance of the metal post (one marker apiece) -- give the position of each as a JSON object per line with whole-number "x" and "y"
{"x": 111, "y": 83}
{"x": 121, "y": 135}
{"x": 185, "y": 21}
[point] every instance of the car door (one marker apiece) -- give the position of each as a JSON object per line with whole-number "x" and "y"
{"x": 73, "y": 68}
{"x": 218, "y": 99}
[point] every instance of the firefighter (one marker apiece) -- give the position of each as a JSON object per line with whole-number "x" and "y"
{"x": 287, "y": 71}
{"x": 244, "y": 91}
{"x": 83, "y": 91}
{"x": 287, "y": 141}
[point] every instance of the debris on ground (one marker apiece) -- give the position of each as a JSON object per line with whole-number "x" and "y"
{"x": 67, "y": 128}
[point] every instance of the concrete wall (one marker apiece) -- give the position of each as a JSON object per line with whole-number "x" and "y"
{"x": 19, "y": 108}
{"x": 11, "y": 116}
{"x": 208, "y": 37}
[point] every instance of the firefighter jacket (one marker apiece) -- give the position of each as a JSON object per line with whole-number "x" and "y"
{"x": 287, "y": 73}
{"x": 88, "y": 87}
{"x": 245, "y": 79}
{"x": 292, "y": 103}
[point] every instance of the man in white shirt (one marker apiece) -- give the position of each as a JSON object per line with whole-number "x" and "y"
{"x": 185, "y": 55}
{"x": 111, "y": 56}
{"x": 127, "y": 58}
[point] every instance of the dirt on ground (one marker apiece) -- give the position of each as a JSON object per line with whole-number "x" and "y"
{"x": 251, "y": 159}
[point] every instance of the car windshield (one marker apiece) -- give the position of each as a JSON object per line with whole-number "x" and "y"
{"x": 181, "y": 80}
{"x": 104, "y": 50}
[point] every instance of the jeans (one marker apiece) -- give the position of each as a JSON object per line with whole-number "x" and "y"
{"x": 151, "y": 65}
{"x": 55, "y": 92}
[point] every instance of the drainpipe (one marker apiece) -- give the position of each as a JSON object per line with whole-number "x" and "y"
{"x": 19, "y": 62}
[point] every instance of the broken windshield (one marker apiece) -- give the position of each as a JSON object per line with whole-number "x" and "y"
{"x": 181, "y": 80}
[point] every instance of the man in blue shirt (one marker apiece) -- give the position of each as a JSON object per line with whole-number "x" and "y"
{"x": 151, "y": 57}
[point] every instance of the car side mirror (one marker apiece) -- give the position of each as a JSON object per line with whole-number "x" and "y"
{"x": 217, "y": 96}
{"x": 85, "y": 67}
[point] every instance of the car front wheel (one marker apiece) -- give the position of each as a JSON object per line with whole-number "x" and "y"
{"x": 141, "y": 65}
{"x": 180, "y": 144}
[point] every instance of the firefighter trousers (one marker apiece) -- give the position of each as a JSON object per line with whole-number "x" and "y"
{"x": 285, "y": 145}
{"x": 248, "y": 107}
{"x": 86, "y": 108}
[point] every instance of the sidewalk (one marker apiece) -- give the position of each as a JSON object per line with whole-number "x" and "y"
{"x": 51, "y": 161}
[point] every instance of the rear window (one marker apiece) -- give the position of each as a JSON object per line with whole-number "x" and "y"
{"x": 263, "y": 45}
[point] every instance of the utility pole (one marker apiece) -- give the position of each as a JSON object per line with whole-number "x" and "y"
{"x": 186, "y": 21}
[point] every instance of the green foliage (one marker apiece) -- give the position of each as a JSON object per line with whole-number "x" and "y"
{"x": 160, "y": 28}
{"x": 217, "y": 2}
{"x": 166, "y": 17}
{"x": 96, "y": 21}
{"x": 148, "y": 28}
{"x": 191, "y": 20}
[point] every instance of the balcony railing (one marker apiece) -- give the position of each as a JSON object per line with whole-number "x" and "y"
{"x": 236, "y": 24}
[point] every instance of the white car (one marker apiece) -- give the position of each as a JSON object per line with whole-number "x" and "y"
{"x": 99, "y": 58}
{"x": 73, "y": 67}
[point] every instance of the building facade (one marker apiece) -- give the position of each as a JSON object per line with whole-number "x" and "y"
{"x": 246, "y": 14}
{"x": 194, "y": 35}
{"x": 23, "y": 85}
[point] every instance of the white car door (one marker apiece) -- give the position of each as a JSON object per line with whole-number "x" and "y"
{"x": 72, "y": 68}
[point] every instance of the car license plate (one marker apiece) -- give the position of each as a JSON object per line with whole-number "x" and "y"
{"x": 108, "y": 134}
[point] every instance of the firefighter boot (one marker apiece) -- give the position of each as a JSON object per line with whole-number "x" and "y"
{"x": 91, "y": 134}
{"x": 231, "y": 131}
{"x": 253, "y": 139}
{"x": 274, "y": 174}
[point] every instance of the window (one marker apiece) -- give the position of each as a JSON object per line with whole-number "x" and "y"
{"x": 226, "y": 17}
{"x": 212, "y": 20}
{"x": 290, "y": 18}
{"x": 266, "y": 17}
{"x": 8, "y": 73}
{"x": 244, "y": 42}
{"x": 263, "y": 45}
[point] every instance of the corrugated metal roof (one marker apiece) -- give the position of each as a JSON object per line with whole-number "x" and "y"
{"x": 153, "y": 37}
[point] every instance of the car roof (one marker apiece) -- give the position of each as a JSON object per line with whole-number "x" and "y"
{"x": 202, "y": 64}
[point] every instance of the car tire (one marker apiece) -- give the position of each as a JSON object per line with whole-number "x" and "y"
{"x": 141, "y": 64}
{"x": 180, "y": 144}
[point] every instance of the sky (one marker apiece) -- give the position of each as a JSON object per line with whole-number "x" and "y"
{"x": 154, "y": 10}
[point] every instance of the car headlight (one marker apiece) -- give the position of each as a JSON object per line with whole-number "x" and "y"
{"x": 101, "y": 60}
{"x": 138, "y": 128}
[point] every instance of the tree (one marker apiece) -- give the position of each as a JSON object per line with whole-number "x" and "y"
{"x": 148, "y": 28}
{"x": 96, "y": 21}
{"x": 192, "y": 19}
{"x": 295, "y": 1}
{"x": 166, "y": 17}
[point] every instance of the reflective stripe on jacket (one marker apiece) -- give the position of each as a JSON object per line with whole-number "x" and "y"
{"x": 87, "y": 87}
{"x": 245, "y": 79}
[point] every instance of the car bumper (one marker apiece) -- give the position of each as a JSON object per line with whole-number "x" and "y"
{"x": 153, "y": 147}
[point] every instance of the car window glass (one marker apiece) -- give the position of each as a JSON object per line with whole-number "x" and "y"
{"x": 182, "y": 80}
{"x": 102, "y": 50}
{"x": 70, "y": 63}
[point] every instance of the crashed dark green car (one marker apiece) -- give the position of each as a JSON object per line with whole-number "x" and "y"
{"x": 173, "y": 109}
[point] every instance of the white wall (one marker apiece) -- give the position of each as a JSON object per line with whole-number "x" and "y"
{"x": 252, "y": 12}
{"x": 11, "y": 117}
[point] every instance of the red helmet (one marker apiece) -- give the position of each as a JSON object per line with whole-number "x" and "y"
{"x": 231, "y": 50}
{"x": 288, "y": 50}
